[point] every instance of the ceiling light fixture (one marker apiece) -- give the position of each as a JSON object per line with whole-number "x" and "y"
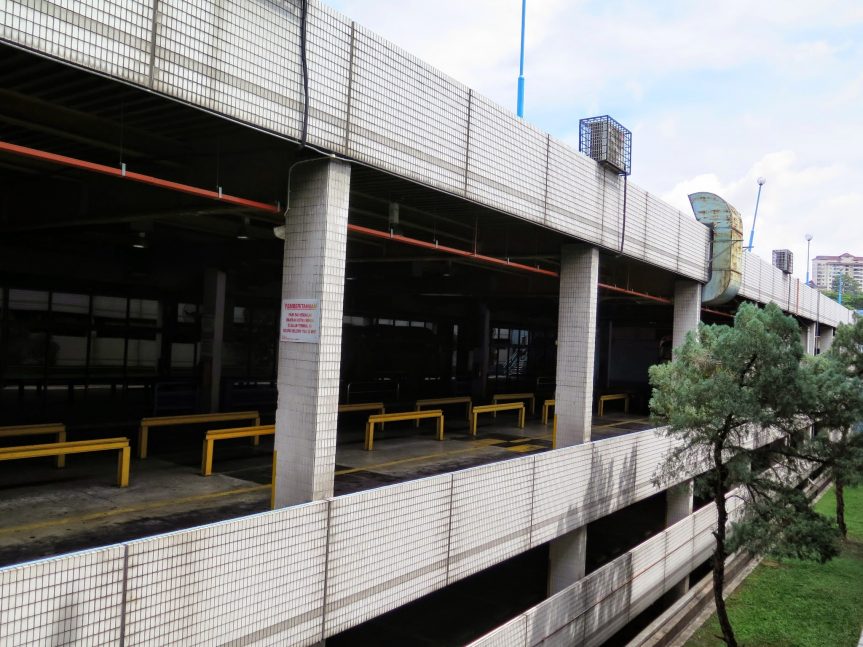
{"x": 243, "y": 234}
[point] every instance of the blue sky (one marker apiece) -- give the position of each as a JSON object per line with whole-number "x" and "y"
{"x": 716, "y": 94}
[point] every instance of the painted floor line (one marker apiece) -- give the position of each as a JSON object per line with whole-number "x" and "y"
{"x": 153, "y": 505}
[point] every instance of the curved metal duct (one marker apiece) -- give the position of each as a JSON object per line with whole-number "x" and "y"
{"x": 726, "y": 263}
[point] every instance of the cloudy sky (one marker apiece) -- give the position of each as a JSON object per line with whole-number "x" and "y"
{"x": 716, "y": 94}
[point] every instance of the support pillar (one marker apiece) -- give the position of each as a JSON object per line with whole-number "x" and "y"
{"x": 807, "y": 337}
{"x": 826, "y": 339}
{"x": 687, "y": 310}
{"x": 678, "y": 506}
{"x": 212, "y": 338}
{"x": 576, "y": 347}
{"x": 566, "y": 560}
{"x": 576, "y": 343}
{"x": 308, "y": 371}
{"x": 483, "y": 353}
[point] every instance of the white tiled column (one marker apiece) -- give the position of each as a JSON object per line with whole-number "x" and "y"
{"x": 567, "y": 559}
{"x": 826, "y": 340}
{"x": 687, "y": 310}
{"x": 807, "y": 337}
{"x": 308, "y": 378}
{"x": 576, "y": 342}
{"x": 678, "y": 506}
{"x": 212, "y": 337}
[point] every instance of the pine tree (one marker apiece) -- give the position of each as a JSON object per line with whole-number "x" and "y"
{"x": 834, "y": 405}
{"x": 724, "y": 385}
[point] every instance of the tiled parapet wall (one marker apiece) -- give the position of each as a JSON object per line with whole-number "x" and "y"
{"x": 376, "y": 103}
{"x": 295, "y": 575}
{"x": 369, "y": 100}
{"x": 593, "y": 609}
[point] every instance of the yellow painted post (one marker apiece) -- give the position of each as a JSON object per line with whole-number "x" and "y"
{"x": 521, "y": 418}
{"x": 273, "y": 483}
{"x": 123, "y": 466}
{"x": 469, "y": 409}
{"x": 207, "y": 461}
{"x": 370, "y": 435}
{"x": 473, "y": 423}
{"x": 143, "y": 433}
{"x": 61, "y": 438}
{"x": 440, "y": 428}
{"x": 256, "y": 440}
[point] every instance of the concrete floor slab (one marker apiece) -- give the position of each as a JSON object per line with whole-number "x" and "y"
{"x": 46, "y": 511}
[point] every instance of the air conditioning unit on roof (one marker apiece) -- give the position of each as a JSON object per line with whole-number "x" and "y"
{"x": 606, "y": 141}
{"x": 784, "y": 260}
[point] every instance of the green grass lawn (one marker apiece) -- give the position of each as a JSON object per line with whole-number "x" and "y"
{"x": 801, "y": 604}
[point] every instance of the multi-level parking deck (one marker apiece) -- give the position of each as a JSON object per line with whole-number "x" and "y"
{"x": 167, "y": 248}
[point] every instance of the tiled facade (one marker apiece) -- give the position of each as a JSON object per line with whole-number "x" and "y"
{"x": 299, "y": 574}
{"x": 305, "y": 572}
{"x": 687, "y": 310}
{"x": 576, "y": 343}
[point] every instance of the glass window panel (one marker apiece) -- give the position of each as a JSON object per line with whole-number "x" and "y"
{"x": 77, "y": 303}
{"x": 146, "y": 309}
{"x": 143, "y": 353}
{"x": 68, "y": 351}
{"x": 28, "y": 300}
{"x": 182, "y": 355}
{"x": 107, "y": 351}
{"x": 110, "y": 307}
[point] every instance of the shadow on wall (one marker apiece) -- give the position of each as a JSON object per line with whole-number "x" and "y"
{"x": 597, "y": 601}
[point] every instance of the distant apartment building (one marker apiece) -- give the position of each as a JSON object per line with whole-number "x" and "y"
{"x": 826, "y": 268}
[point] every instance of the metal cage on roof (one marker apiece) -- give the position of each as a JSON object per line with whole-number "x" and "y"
{"x": 606, "y": 141}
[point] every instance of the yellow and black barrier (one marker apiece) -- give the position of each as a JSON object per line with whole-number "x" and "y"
{"x": 362, "y": 406}
{"x": 402, "y": 415}
{"x": 52, "y": 428}
{"x": 439, "y": 402}
{"x": 194, "y": 419}
{"x": 608, "y": 397}
{"x": 506, "y": 397}
{"x": 224, "y": 434}
{"x": 76, "y": 447}
{"x": 546, "y": 408}
{"x": 494, "y": 408}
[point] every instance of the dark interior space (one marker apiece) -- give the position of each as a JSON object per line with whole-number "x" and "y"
{"x": 612, "y": 535}
{"x": 462, "y": 612}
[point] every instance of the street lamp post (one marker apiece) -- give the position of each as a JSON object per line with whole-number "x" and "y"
{"x": 808, "y": 242}
{"x": 761, "y": 182}
{"x": 520, "y": 103}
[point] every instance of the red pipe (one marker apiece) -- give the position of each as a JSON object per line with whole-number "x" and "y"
{"x": 135, "y": 177}
{"x": 415, "y": 242}
{"x": 270, "y": 208}
{"x": 718, "y": 312}
{"x": 642, "y": 295}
